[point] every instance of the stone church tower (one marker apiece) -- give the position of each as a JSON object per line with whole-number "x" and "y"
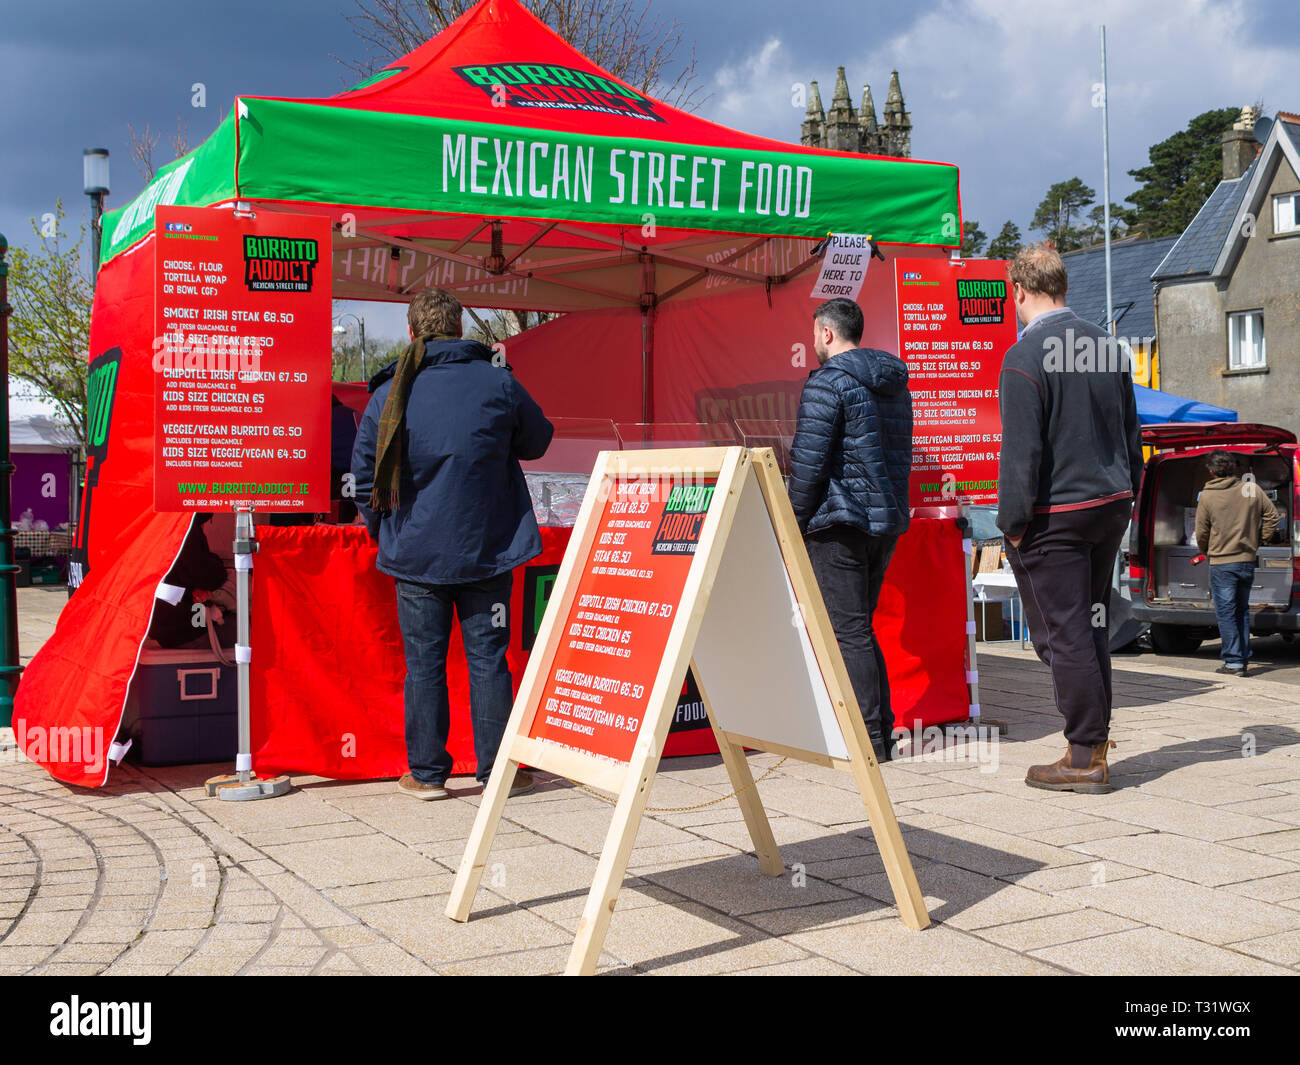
{"x": 846, "y": 130}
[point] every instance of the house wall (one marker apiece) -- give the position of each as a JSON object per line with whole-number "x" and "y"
{"x": 1192, "y": 318}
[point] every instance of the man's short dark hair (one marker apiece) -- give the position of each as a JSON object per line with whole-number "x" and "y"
{"x": 842, "y": 315}
{"x": 1222, "y": 464}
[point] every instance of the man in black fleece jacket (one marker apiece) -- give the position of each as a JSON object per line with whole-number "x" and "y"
{"x": 1070, "y": 468}
{"x": 849, "y": 466}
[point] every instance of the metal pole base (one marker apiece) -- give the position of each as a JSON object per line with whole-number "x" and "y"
{"x": 234, "y": 788}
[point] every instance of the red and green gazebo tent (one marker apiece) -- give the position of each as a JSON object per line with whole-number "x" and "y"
{"x": 494, "y": 161}
{"x": 497, "y": 161}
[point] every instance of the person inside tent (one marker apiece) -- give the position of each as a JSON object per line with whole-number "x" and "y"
{"x": 199, "y": 587}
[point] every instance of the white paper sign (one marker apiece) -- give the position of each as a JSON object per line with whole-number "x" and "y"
{"x": 844, "y": 267}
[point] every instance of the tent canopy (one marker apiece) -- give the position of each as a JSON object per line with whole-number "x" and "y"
{"x": 494, "y": 161}
{"x": 497, "y": 161}
{"x": 1157, "y": 408}
{"x": 40, "y": 432}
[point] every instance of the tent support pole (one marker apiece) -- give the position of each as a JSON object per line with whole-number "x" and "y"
{"x": 648, "y": 301}
{"x": 245, "y": 784}
{"x": 9, "y": 664}
{"x": 970, "y": 554}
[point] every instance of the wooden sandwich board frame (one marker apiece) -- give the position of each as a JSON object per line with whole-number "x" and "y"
{"x": 737, "y": 470}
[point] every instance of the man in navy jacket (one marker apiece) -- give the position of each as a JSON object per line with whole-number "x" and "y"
{"x": 849, "y": 467}
{"x": 439, "y": 485}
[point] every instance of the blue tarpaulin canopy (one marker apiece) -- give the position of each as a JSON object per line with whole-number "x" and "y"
{"x": 1153, "y": 408}
{"x": 1160, "y": 407}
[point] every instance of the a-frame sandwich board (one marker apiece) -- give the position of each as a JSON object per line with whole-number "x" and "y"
{"x": 678, "y": 556}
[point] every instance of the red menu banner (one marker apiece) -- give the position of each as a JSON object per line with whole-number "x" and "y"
{"x": 956, "y": 320}
{"x": 242, "y": 360}
{"x": 630, "y": 584}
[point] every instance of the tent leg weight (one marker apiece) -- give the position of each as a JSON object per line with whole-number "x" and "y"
{"x": 234, "y": 789}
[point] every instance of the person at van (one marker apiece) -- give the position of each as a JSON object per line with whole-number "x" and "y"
{"x": 1233, "y": 516}
{"x": 1069, "y": 469}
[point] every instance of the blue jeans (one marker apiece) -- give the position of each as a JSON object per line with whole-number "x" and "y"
{"x": 424, "y": 614}
{"x": 1230, "y": 589}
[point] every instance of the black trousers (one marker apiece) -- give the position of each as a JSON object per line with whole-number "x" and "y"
{"x": 1063, "y": 569}
{"x": 850, "y": 569}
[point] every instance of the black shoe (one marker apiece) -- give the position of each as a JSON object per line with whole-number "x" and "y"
{"x": 1232, "y": 672}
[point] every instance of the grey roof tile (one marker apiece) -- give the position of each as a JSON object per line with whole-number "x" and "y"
{"x": 1131, "y": 263}
{"x": 1198, "y": 248}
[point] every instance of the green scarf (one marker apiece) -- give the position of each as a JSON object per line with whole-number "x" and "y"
{"x": 386, "y": 496}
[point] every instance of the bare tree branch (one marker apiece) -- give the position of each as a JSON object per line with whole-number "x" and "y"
{"x": 621, "y": 36}
{"x": 141, "y": 144}
{"x": 180, "y": 140}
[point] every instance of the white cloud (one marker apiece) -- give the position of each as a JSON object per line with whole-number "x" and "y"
{"x": 757, "y": 93}
{"x": 1004, "y": 88}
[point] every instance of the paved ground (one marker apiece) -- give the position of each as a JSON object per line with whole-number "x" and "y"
{"x": 1270, "y": 656}
{"x": 1191, "y": 866}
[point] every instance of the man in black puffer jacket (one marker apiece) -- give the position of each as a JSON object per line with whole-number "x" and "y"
{"x": 849, "y": 468}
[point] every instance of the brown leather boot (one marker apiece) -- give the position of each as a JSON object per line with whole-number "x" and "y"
{"x": 1083, "y": 769}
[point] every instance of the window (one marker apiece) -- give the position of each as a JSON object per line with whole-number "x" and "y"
{"x": 1286, "y": 213}
{"x": 1246, "y": 340}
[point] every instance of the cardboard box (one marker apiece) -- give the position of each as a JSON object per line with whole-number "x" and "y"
{"x": 989, "y": 623}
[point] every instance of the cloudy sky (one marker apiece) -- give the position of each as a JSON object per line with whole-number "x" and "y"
{"x": 1003, "y": 88}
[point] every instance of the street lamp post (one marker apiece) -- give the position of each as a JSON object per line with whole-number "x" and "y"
{"x": 94, "y": 170}
{"x": 9, "y": 667}
{"x": 361, "y": 323}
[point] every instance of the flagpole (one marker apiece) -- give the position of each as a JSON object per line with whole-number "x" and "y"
{"x": 1105, "y": 180}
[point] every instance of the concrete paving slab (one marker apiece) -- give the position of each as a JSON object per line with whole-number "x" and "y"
{"x": 1196, "y": 860}
{"x": 1191, "y": 910}
{"x": 1191, "y": 865}
{"x": 1152, "y": 951}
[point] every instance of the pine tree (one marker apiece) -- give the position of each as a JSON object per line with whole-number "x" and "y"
{"x": 1065, "y": 201}
{"x": 1006, "y": 243}
{"x": 972, "y": 239}
{"x": 1183, "y": 170}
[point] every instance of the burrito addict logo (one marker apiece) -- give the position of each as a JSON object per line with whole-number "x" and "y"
{"x": 981, "y": 302}
{"x": 548, "y": 86}
{"x": 682, "y": 519}
{"x": 279, "y": 264}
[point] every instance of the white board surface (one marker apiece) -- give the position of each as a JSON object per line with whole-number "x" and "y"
{"x": 754, "y": 659}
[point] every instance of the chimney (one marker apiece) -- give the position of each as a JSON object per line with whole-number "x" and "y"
{"x": 1239, "y": 145}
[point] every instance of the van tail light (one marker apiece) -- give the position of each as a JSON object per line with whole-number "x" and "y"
{"x": 1295, "y": 523}
{"x": 1295, "y": 547}
{"x": 1137, "y": 579}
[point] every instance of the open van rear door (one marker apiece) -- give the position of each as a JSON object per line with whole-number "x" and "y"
{"x": 1180, "y": 435}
